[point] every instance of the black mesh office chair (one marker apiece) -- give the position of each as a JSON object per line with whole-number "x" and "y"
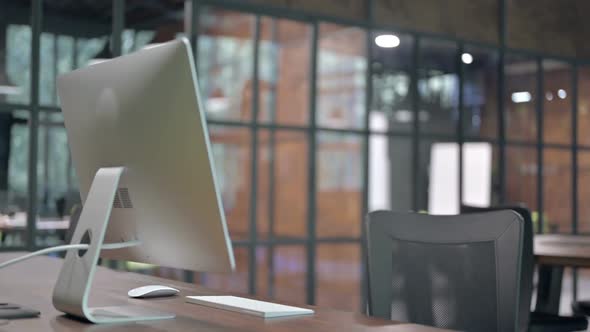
{"x": 459, "y": 272}
{"x": 539, "y": 322}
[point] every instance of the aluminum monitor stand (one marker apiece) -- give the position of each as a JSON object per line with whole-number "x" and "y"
{"x": 72, "y": 288}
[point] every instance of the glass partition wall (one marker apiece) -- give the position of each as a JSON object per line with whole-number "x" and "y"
{"x": 313, "y": 122}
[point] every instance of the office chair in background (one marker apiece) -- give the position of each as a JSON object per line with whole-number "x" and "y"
{"x": 460, "y": 272}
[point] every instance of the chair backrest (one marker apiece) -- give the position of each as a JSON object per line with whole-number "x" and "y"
{"x": 528, "y": 257}
{"x": 459, "y": 272}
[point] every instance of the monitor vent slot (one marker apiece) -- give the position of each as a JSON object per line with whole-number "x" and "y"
{"x": 117, "y": 202}
{"x": 125, "y": 198}
{"x": 122, "y": 199}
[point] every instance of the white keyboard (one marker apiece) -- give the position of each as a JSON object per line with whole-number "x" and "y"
{"x": 249, "y": 306}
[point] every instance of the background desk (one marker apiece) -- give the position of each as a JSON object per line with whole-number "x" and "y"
{"x": 553, "y": 252}
{"x": 31, "y": 284}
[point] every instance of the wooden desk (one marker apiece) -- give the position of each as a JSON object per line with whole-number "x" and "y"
{"x": 31, "y": 284}
{"x": 565, "y": 250}
{"x": 553, "y": 252}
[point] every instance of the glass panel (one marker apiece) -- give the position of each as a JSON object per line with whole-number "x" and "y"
{"x": 342, "y": 71}
{"x": 520, "y": 98}
{"x": 339, "y": 185}
{"x": 480, "y": 93}
{"x": 338, "y": 269}
{"x": 284, "y": 200}
{"x": 68, "y": 43}
{"x": 390, "y": 173}
{"x": 15, "y": 52}
{"x": 480, "y": 174}
{"x": 583, "y": 191}
{"x": 14, "y": 159}
{"x": 290, "y": 269}
{"x": 89, "y": 49}
{"x": 584, "y": 105}
{"x": 285, "y": 51}
{"x": 265, "y": 200}
{"x": 57, "y": 187}
{"x": 557, "y": 190}
{"x": 391, "y": 103}
{"x": 521, "y": 179}
{"x": 232, "y": 153}
{"x": 236, "y": 281}
{"x": 149, "y": 25}
{"x": 438, "y": 87}
{"x": 557, "y": 102}
{"x": 225, "y": 63}
{"x": 438, "y": 177}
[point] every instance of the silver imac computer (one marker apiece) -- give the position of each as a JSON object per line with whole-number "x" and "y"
{"x": 139, "y": 143}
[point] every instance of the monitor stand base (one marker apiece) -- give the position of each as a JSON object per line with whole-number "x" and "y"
{"x": 72, "y": 288}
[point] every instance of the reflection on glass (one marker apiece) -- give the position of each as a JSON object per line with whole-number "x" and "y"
{"x": 342, "y": 67}
{"x": 89, "y": 49}
{"x": 338, "y": 269}
{"x": 57, "y": 187}
{"x": 584, "y": 191}
{"x": 57, "y": 57}
{"x": 390, "y": 173}
{"x": 446, "y": 193}
{"x": 224, "y": 63}
{"x": 288, "y": 277}
{"x": 231, "y": 156}
{"x": 521, "y": 179}
{"x": 284, "y": 71}
{"x": 236, "y": 281}
{"x": 391, "y": 102}
{"x": 584, "y": 105}
{"x": 520, "y": 98}
{"x": 282, "y": 199}
{"x": 438, "y": 87}
{"x": 67, "y": 45}
{"x": 15, "y": 61}
{"x": 557, "y": 105}
{"x": 154, "y": 26}
{"x": 339, "y": 185}
{"x": 557, "y": 190}
{"x": 480, "y": 93}
{"x": 14, "y": 140}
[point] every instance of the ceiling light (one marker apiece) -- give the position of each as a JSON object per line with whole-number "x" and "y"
{"x": 561, "y": 94}
{"x": 387, "y": 41}
{"x": 466, "y": 58}
{"x": 549, "y": 95}
{"x": 10, "y": 90}
{"x": 521, "y": 97}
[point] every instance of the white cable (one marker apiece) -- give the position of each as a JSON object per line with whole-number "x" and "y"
{"x": 105, "y": 246}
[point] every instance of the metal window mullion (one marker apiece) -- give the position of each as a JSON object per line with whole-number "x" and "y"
{"x": 312, "y": 167}
{"x": 416, "y": 123}
{"x": 194, "y": 30}
{"x": 366, "y": 151}
{"x": 118, "y": 27}
{"x": 192, "y": 33}
{"x": 118, "y": 24}
{"x": 272, "y": 164}
{"x": 460, "y": 135}
{"x": 33, "y": 204}
{"x": 539, "y": 112}
{"x": 253, "y": 232}
{"x": 574, "y": 148}
{"x": 574, "y": 156}
{"x": 502, "y": 32}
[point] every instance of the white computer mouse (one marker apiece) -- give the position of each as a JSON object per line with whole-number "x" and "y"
{"x": 152, "y": 291}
